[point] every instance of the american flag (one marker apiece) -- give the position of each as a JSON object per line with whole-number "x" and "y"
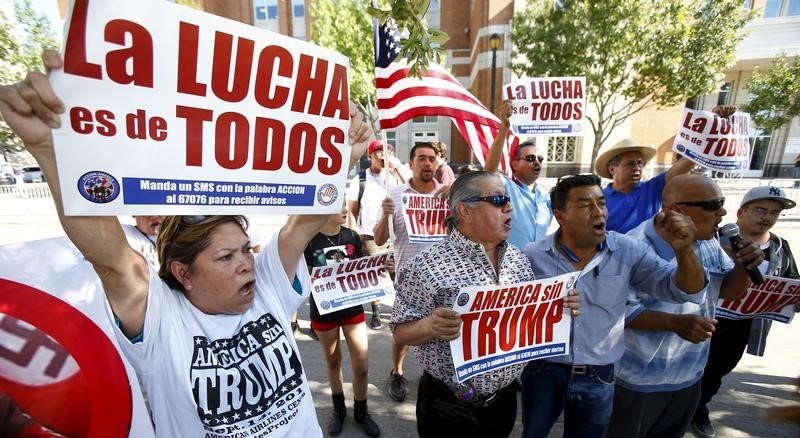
{"x": 438, "y": 93}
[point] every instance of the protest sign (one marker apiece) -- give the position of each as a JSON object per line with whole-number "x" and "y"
{"x": 715, "y": 142}
{"x": 512, "y": 323}
{"x": 424, "y": 217}
{"x": 547, "y": 106}
{"x": 351, "y": 283}
{"x": 173, "y": 111}
{"x": 59, "y": 358}
{"x": 774, "y": 299}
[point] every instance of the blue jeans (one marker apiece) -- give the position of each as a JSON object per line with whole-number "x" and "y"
{"x": 550, "y": 388}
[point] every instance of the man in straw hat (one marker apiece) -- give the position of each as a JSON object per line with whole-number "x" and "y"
{"x": 629, "y": 199}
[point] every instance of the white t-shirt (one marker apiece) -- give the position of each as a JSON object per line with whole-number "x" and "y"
{"x": 370, "y": 210}
{"x": 226, "y": 376}
{"x": 144, "y": 243}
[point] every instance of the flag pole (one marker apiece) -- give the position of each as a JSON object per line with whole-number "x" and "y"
{"x": 386, "y": 182}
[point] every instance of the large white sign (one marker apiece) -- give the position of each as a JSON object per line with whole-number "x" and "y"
{"x": 715, "y": 142}
{"x": 512, "y": 323}
{"x": 174, "y": 111}
{"x": 547, "y": 106}
{"x": 774, "y": 299}
{"x": 424, "y": 217}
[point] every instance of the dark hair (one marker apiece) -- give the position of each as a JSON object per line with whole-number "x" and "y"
{"x": 615, "y": 161}
{"x": 465, "y": 186}
{"x": 560, "y": 192}
{"x": 424, "y": 144}
{"x": 524, "y": 144}
{"x": 182, "y": 240}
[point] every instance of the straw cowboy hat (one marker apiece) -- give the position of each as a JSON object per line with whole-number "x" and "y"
{"x": 626, "y": 145}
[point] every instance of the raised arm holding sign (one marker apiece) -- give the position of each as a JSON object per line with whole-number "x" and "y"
{"x": 208, "y": 287}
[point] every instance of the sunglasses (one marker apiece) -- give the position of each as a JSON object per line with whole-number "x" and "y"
{"x": 710, "y": 205}
{"x": 496, "y": 200}
{"x": 531, "y": 158}
{"x": 193, "y": 220}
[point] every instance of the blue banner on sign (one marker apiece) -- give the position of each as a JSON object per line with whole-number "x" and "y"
{"x": 481, "y": 366}
{"x": 144, "y": 191}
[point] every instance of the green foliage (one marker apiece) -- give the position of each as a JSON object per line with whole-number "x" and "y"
{"x": 775, "y": 95}
{"x": 21, "y": 47}
{"x": 344, "y": 26}
{"x": 634, "y": 54}
{"x": 422, "y": 45}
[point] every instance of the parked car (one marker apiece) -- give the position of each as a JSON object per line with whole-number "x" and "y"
{"x": 7, "y": 179}
{"x": 32, "y": 174}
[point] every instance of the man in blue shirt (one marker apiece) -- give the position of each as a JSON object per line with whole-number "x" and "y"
{"x": 630, "y": 200}
{"x": 582, "y": 383}
{"x": 531, "y": 213}
{"x": 658, "y": 378}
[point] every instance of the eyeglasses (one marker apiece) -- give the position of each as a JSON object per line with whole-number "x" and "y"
{"x": 496, "y": 200}
{"x": 193, "y": 220}
{"x": 710, "y": 205}
{"x": 635, "y": 164}
{"x": 531, "y": 158}
{"x": 763, "y": 212}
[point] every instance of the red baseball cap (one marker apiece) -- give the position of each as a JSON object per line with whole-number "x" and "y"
{"x": 377, "y": 145}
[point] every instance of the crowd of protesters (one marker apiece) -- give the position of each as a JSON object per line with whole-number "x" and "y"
{"x": 647, "y": 352}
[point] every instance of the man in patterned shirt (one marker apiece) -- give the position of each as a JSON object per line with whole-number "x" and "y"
{"x": 475, "y": 252}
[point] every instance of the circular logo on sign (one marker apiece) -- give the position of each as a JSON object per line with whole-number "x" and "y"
{"x": 404, "y": 199}
{"x": 577, "y": 127}
{"x": 325, "y": 305}
{"x": 463, "y": 299}
{"x": 98, "y": 187}
{"x": 681, "y": 148}
{"x": 327, "y": 194}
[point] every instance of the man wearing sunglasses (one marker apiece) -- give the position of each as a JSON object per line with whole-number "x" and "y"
{"x": 474, "y": 253}
{"x": 531, "y": 214}
{"x": 759, "y": 211}
{"x": 658, "y": 377}
{"x": 629, "y": 200}
{"x": 581, "y": 384}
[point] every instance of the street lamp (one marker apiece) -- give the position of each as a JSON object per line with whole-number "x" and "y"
{"x": 494, "y": 44}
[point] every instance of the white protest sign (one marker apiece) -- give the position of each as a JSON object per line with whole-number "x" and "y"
{"x": 715, "y": 142}
{"x": 774, "y": 299}
{"x": 351, "y": 283}
{"x": 424, "y": 217}
{"x": 512, "y": 323}
{"x": 547, "y": 106}
{"x": 59, "y": 357}
{"x": 173, "y": 111}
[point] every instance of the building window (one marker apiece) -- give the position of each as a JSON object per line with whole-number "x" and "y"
{"x": 691, "y": 103}
{"x": 724, "y": 96}
{"x": 298, "y": 8}
{"x": 434, "y": 15}
{"x": 772, "y": 8}
{"x": 561, "y": 149}
{"x": 266, "y": 15}
{"x": 391, "y": 138}
{"x": 299, "y": 19}
{"x": 759, "y": 144}
{"x": 424, "y": 136}
{"x": 426, "y": 119}
{"x": 748, "y": 4}
{"x": 792, "y": 7}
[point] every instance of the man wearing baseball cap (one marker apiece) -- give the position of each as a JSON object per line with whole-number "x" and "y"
{"x": 757, "y": 214}
{"x": 364, "y": 199}
{"x": 629, "y": 199}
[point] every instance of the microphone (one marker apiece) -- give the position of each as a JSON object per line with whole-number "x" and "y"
{"x": 731, "y": 232}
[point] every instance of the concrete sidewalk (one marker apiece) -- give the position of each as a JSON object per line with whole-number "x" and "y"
{"x": 738, "y": 410}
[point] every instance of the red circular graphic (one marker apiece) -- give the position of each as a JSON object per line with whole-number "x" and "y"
{"x": 104, "y": 396}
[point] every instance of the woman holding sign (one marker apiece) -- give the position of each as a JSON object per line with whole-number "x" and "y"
{"x": 209, "y": 332}
{"x": 335, "y": 244}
